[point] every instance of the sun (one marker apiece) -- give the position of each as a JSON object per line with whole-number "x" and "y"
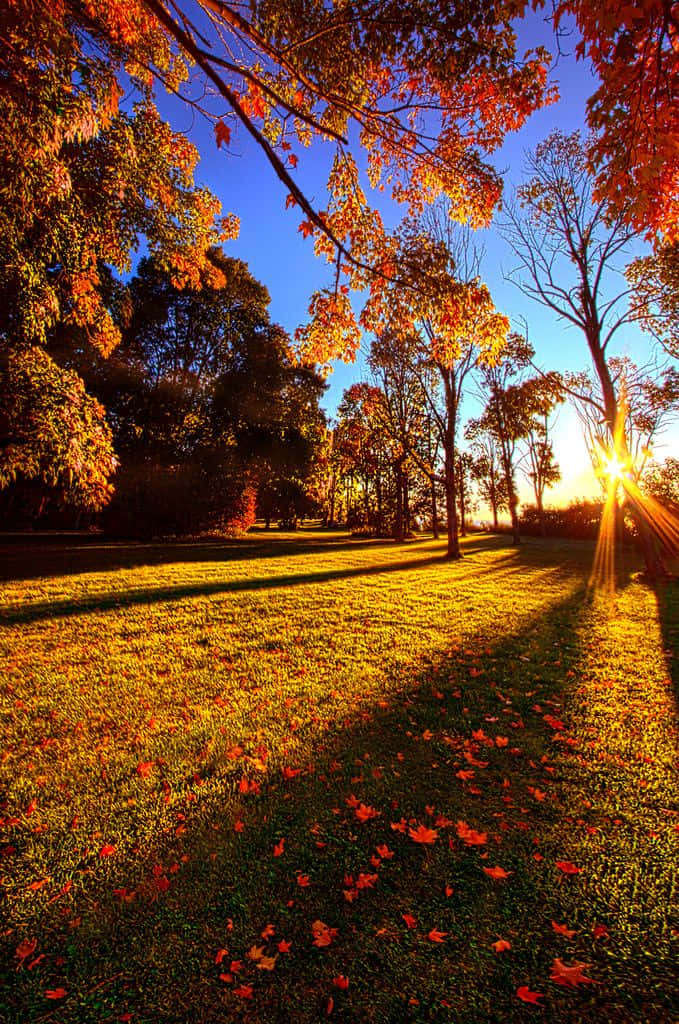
{"x": 613, "y": 468}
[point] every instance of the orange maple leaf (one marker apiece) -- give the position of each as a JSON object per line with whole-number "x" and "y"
{"x": 222, "y": 134}
{"x": 284, "y": 946}
{"x": 501, "y": 945}
{"x": 364, "y": 812}
{"x": 244, "y": 991}
{"x": 266, "y": 963}
{"x": 422, "y": 834}
{"x": 469, "y": 835}
{"x": 570, "y": 976}
{"x": 279, "y": 848}
{"x": 341, "y": 981}
{"x": 436, "y": 936}
{"x": 322, "y": 933}
{"x": 527, "y": 996}
{"x": 497, "y": 872}
{"x": 568, "y": 867}
{"x": 411, "y": 922}
{"x": 26, "y": 948}
{"x": 562, "y": 929}
{"x": 384, "y": 851}
{"x": 55, "y": 993}
{"x": 107, "y": 850}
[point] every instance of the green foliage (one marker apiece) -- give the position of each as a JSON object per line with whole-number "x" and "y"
{"x": 206, "y": 401}
{"x": 51, "y": 431}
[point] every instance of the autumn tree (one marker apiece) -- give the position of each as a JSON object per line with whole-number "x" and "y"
{"x": 655, "y": 288}
{"x": 633, "y": 49}
{"x": 82, "y": 181}
{"x": 486, "y": 468}
{"x": 540, "y": 466}
{"x": 569, "y": 248}
{"x": 661, "y": 479}
{"x": 403, "y": 415}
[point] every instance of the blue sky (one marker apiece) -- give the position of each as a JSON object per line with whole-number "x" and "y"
{"x": 281, "y": 259}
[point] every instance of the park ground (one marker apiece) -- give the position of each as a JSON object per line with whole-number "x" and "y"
{"x": 309, "y": 777}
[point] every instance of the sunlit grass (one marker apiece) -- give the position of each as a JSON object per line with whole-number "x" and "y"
{"x": 143, "y": 696}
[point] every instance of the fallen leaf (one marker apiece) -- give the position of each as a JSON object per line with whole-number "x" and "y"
{"x": 279, "y": 848}
{"x": 501, "y": 945}
{"x": 562, "y": 929}
{"x": 267, "y": 963}
{"x": 411, "y": 922}
{"x": 422, "y": 834}
{"x": 497, "y": 872}
{"x": 55, "y": 993}
{"x": 364, "y": 812}
{"x": 569, "y": 976}
{"x": 436, "y": 936}
{"x": 341, "y": 981}
{"x": 527, "y": 996}
{"x": 26, "y": 948}
{"x": 568, "y": 867}
{"x": 469, "y": 836}
{"x": 244, "y": 991}
{"x": 323, "y": 935}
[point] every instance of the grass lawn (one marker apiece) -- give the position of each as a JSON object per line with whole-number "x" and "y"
{"x": 308, "y": 778}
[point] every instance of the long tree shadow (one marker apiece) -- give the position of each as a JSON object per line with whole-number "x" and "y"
{"x": 126, "y": 598}
{"x": 359, "y": 838}
{"x": 667, "y": 597}
{"x": 24, "y": 557}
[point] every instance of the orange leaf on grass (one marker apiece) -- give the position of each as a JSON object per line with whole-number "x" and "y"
{"x": 384, "y": 851}
{"x": 570, "y": 976}
{"x": 411, "y": 922}
{"x": 322, "y": 933}
{"x": 364, "y": 812}
{"x": 26, "y": 948}
{"x": 341, "y": 981}
{"x": 284, "y": 946}
{"x": 436, "y": 936}
{"x": 501, "y": 945}
{"x": 568, "y": 867}
{"x": 562, "y": 929}
{"x": 107, "y": 850}
{"x": 244, "y": 991}
{"x": 469, "y": 836}
{"x": 497, "y": 872}
{"x": 279, "y": 848}
{"x": 55, "y": 993}
{"x": 527, "y": 996}
{"x": 422, "y": 834}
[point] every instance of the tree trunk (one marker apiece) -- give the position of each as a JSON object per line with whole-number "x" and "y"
{"x": 378, "y": 495}
{"x": 453, "y": 549}
{"x": 463, "y": 520}
{"x": 398, "y": 524}
{"x": 434, "y": 512}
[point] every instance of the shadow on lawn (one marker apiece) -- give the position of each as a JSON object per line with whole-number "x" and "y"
{"x": 33, "y": 557}
{"x": 34, "y": 612}
{"x": 154, "y": 957}
{"x": 667, "y": 597}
